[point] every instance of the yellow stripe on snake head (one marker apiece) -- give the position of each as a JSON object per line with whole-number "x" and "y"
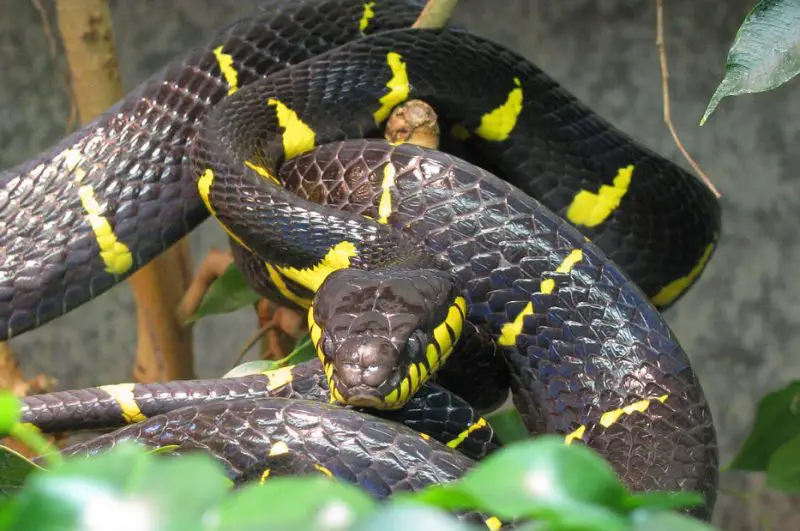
{"x": 496, "y": 125}
{"x": 590, "y": 210}
{"x": 337, "y": 257}
{"x": 123, "y": 394}
{"x": 367, "y": 16}
{"x": 283, "y": 288}
{"x": 204, "y": 189}
{"x": 672, "y": 290}
{"x": 510, "y": 330}
{"x": 398, "y": 86}
{"x": 225, "y": 62}
{"x": 298, "y": 137}
{"x": 115, "y": 254}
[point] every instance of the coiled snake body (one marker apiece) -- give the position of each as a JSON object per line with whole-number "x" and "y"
{"x": 405, "y": 253}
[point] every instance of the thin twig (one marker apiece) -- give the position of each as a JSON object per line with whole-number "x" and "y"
{"x": 251, "y": 342}
{"x": 435, "y": 14}
{"x": 665, "y": 93}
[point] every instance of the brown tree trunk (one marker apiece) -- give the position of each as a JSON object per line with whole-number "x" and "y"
{"x": 164, "y": 349}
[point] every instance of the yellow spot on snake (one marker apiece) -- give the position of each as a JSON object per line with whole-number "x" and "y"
{"x": 425, "y": 436}
{"x": 204, "y": 189}
{"x": 338, "y": 257}
{"x": 577, "y": 434}
{"x": 298, "y": 137}
{"x": 480, "y": 423}
{"x": 589, "y": 209}
{"x": 498, "y": 124}
{"x": 262, "y": 171}
{"x": 367, "y": 16}
{"x": 611, "y": 417}
{"x": 264, "y": 476}
{"x": 279, "y": 448}
{"x": 123, "y": 394}
{"x": 283, "y": 289}
{"x": 671, "y": 291}
{"x": 398, "y": 87}
{"x": 278, "y": 377}
{"x": 493, "y": 523}
{"x": 324, "y": 470}
{"x": 385, "y": 205}
{"x": 510, "y": 331}
{"x": 225, "y": 62}
{"x": 115, "y": 254}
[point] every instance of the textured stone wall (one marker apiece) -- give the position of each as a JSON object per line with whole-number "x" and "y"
{"x": 739, "y": 323}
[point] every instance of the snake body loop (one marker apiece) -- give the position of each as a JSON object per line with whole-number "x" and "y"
{"x": 565, "y": 286}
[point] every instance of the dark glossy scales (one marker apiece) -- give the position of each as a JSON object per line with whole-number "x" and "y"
{"x": 594, "y": 345}
{"x": 433, "y": 411}
{"x": 134, "y": 158}
{"x": 380, "y": 456}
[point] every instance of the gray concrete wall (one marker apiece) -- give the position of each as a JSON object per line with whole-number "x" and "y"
{"x": 740, "y": 323}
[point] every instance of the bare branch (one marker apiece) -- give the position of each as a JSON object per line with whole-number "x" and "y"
{"x": 665, "y": 94}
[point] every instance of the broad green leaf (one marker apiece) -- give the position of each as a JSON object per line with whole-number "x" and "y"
{"x": 125, "y": 484}
{"x": 783, "y": 471}
{"x": 539, "y": 478}
{"x": 10, "y": 411}
{"x": 667, "y": 521}
{"x": 292, "y": 503}
{"x": 411, "y": 517}
{"x": 252, "y": 367}
{"x": 765, "y": 53}
{"x": 14, "y": 469}
{"x": 777, "y": 422}
{"x": 228, "y": 293}
{"x": 508, "y": 426}
{"x": 664, "y": 500}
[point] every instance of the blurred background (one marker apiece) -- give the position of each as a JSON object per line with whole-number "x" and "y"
{"x": 739, "y": 323}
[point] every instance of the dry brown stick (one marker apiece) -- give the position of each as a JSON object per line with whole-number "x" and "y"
{"x": 164, "y": 350}
{"x": 435, "y": 14}
{"x": 212, "y": 267}
{"x": 662, "y": 54}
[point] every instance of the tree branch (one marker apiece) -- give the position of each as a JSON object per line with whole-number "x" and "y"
{"x": 662, "y": 54}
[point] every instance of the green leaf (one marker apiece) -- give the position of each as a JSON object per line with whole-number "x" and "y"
{"x": 783, "y": 471}
{"x": 14, "y": 469}
{"x": 228, "y": 293}
{"x": 125, "y": 484}
{"x": 540, "y": 478}
{"x": 252, "y": 367}
{"x": 664, "y": 500}
{"x": 411, "y": 517}
{"x": 777, "y": 422}
{"x": 508, "y": 426}
{"x": 10, "y": 411}
{"x": 292, "y": 503}
{"x": 303, "y": 351}
{"x": 765, "y": 53}
{"x": 645, "y": 520}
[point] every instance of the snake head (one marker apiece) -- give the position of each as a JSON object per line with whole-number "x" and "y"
{"x": 381, "y": 334}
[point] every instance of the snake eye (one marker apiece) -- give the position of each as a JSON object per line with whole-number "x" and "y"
{"x": 415, "y": 345}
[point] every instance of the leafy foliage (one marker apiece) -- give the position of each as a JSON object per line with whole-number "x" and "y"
{"x": 777, "y": 423}
{"x": 765, "y": 53}
{"x": 228, "y": 293}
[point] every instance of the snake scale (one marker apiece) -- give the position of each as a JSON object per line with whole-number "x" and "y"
{"x": 407, "y": 260}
